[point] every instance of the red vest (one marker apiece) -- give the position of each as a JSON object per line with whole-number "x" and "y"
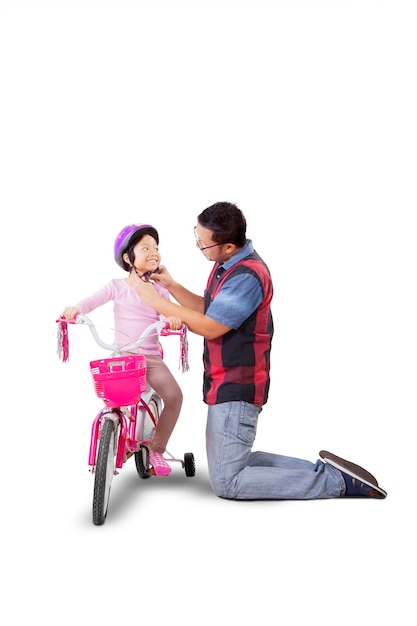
{"x": 236, "y": 365}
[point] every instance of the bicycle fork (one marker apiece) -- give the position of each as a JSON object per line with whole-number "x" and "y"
{"x": 120, "y": 422}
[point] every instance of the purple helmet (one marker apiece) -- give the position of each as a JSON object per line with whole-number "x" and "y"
{"x": 128, "y": 238}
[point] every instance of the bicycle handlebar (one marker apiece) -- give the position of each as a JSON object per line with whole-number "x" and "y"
{"x": 161, "y": 327}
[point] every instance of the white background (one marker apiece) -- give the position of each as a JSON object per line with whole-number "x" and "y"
{"x": 304, "y": 114}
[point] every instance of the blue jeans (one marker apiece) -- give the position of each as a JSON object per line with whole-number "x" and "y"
{"x": 235, "y": 472}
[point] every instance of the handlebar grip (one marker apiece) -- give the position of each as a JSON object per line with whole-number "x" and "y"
{"x": 66, "y": 321}
{"x": 80, "y": 318}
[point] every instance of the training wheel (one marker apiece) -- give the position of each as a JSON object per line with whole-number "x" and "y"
{"x": 189, "y": 464}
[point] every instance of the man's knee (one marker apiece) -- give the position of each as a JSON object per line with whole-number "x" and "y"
{"x": 222, "y": 488}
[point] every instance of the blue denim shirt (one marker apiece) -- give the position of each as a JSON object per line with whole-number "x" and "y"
{"x": 239, "y": 296}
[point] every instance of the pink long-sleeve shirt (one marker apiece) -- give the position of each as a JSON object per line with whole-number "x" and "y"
{"x": 131, "y": 314}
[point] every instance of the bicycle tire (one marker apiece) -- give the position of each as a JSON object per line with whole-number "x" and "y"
{"x": 142, "y": 455}
{"x": 104, "y": 471}
{"x": 189, "y": 464}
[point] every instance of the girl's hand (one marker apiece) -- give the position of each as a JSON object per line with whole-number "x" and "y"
{"x": 70, "y": 312}
{"x": 174, "y": 323}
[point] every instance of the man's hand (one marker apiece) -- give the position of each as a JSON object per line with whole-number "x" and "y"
{"x": 143, "y": 287}
{"x": 162, "y": 277}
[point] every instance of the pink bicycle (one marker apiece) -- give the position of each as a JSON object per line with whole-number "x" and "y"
{"x": 130, "y": 413}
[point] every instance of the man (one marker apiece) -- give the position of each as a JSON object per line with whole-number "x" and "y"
{"x": 235, "y": 319}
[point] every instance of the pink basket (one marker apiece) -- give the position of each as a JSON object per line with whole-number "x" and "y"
{"x": 119, "y": 381}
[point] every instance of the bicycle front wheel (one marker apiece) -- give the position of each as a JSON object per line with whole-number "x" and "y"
{"x": 104, "y": 471}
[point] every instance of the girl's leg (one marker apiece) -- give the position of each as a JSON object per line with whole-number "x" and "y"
{"x": 163, "y": 382}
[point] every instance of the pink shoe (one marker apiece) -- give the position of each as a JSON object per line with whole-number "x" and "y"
{"x": 160, "y": 466}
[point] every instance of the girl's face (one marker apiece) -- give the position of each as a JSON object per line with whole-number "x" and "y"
{"x": 146, "y": 252}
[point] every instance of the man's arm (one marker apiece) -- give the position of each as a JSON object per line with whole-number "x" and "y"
{"x": 186, "y": 298}
{"x": 179, "y": 292}
{"x": 190, "y": 310}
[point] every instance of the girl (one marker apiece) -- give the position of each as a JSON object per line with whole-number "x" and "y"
{"x": 136, "y": 251}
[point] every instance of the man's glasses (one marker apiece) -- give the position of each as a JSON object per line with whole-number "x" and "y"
{"x": 199, "y": 242}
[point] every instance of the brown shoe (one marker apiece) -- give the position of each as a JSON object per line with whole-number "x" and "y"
{"x": 359, "y": 482}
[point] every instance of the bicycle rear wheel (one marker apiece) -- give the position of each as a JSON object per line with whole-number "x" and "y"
{"x": 142, "y": 455}
{"x": 104, "y": 471}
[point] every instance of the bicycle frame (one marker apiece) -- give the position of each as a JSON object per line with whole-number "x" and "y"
{"x": 117, "y": 431}
{"x": 126, "y": 415}
{"x": 130, "y": 424}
